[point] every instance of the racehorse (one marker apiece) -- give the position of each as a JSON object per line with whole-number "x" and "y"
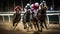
{"x": 35, "y": 20}
{"x": 42, "y": 17}
{"x": 38, "y": 20}
{"x": 31, "y": 22}
{"x": 26, "y": 20}
{"x": 16, "y": 19}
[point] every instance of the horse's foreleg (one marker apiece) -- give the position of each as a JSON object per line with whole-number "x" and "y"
{"x": 45, "y": 25}
{"x": 41, "y": 25}
{"x": 35, "y": 26}
{"x": 38, "y": 26}
{"x": 25, "y": 25}
{"x": 15, "y": 25}
{"x": 28, "y": 25}
{"x": 31, "y": 25}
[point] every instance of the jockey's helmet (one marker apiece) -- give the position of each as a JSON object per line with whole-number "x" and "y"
{"x": 36, "y": 4}
{"x": 44, "y": 1}
{"x": 28, "y": 4}
{"x": 32, "y": 5}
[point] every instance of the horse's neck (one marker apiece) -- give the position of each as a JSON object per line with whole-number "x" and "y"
{"x": 43, "y": 6}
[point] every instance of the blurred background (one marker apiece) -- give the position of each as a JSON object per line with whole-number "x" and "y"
{"x": 9, "y": 5}
{"x": 7, "y": 11}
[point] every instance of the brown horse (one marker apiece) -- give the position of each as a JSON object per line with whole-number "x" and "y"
{"x": 26, "y": 20}
{"x": 16, "y": 19}
{"x": 35, "y": 20}
{"x": 42, "y": 17}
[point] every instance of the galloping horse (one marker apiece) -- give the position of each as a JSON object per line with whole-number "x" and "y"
{"x": 26, "y": 20}
{"x": 43, "y": 16}
{"x": 35, "y": 20}
{"x": 29, "y": 21}
{"x": 16, "y": 19}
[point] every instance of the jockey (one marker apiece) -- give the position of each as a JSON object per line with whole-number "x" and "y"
{"x": 35, "y": 7}
{"x": 28, "y": 7}
{"x": 18, "y": 8}
{"x": 43, "y": 6}
{"x": 32, "y": 9}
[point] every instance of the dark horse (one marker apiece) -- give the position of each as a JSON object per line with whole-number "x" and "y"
{"x": 42, "y": 17}
{"x": 26, "y": 20}
{"x": 16, "y": 19}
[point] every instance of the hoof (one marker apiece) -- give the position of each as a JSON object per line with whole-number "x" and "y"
{"x": 25, "y": 27}
{"x": 39, "y": 30}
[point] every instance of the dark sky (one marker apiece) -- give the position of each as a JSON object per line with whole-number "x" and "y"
{"x": 18, "y": 2}
{"x": 4, "y": 3}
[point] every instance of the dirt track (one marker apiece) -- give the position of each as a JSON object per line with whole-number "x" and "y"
{"x": 7, "y": 28}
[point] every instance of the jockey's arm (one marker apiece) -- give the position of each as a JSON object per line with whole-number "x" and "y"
{"x": 21, "y": 9}
{"x": 15, "y": 8}
{"x": 39, "y": 7}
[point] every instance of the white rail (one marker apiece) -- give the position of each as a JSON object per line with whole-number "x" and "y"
{"x": 11, "y": 14}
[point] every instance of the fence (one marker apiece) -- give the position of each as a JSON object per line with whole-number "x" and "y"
{"x": 11, "y": 14}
